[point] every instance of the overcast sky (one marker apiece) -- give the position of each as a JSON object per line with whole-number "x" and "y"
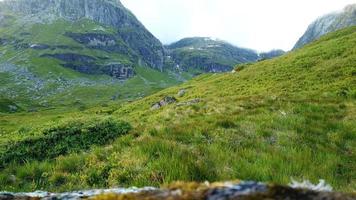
{"x": 257, "y": 24}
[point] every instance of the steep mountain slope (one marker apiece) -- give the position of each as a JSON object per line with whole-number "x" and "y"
{"x": 283, "y": 118}
{"x": 201, "y": 54}
{"x": 327, "y": 24}
{"x": 106, "y": 12}
{"x": 60, "y": 52}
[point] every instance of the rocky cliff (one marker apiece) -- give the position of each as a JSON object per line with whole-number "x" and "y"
{"x": 63, "y": 51}
{"x": 327, "y": 24}
{"x": 106, "y": 12}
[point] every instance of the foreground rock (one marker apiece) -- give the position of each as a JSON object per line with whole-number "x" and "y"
{"x": 189, "y": 191}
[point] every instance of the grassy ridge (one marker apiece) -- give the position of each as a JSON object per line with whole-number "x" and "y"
{"x": 290, "y": 117}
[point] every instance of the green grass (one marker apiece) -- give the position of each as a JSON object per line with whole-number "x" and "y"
{"x": 289, "y": 117}
{"x": 78, "y": 90}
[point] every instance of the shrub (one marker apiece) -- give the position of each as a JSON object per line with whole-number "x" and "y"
{"x": 67, "y": 138}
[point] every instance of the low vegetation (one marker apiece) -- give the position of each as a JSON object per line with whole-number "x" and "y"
{"x": 289, "y": 117}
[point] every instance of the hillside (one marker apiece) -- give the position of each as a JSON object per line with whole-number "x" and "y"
{"x": 328, "y": 23}
{"x": 57, "y": 54}
{"x": 201, "y": 54}
{"x": 288, "y": 117}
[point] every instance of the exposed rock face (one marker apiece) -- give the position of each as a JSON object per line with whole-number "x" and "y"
{"x": 165, "y": 101}
{"x": 86, "y": 64}
{"x": 208, "y": 55}
{"x": 188, "y": 191}
{"x": 107, "y": 12}
{"x": 327, "y": 24}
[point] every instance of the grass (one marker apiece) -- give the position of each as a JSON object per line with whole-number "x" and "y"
{"x": 39, "y": 83}
{"x": 289, "y": 117}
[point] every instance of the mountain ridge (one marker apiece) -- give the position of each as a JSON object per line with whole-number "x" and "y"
{"x": 328, "y": 23}
{"x": 208, "y": 54}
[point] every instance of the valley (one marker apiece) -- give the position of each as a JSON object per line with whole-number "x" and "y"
{"x": 89, "y": 98}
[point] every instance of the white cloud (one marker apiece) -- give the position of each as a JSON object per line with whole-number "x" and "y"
{"x": 256, "y": 24}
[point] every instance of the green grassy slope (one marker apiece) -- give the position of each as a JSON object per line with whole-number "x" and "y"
{"x": 35, "y": 82}
{"x": 289, "y": 117}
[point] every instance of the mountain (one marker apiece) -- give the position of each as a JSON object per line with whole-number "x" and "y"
{"x": 58, "y": 52}
{"x": 271, "y": 54}
{"x": 327, "y": 24}
{"x": 129, "y": 31}
{"x": 273, "y": 120}
{"x": 202, "y": 54}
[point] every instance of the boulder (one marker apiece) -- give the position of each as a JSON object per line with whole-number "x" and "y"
{"x": 181, "y": 93}
{"x": 165, "y": 101}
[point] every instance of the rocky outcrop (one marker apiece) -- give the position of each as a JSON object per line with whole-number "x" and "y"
{"x": 86, "y": 64}
{"x": 328, "y": 23}
{"x": 208, "y": 55}
{"x": 165, "y": 101}
{"x": 188, "y": 191}
{"x": 106, "y": 12}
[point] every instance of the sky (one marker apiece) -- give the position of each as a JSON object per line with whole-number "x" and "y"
{"x": 262, "y": 25}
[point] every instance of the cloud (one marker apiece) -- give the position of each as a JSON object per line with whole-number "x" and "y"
{"x": 257, "y": 24}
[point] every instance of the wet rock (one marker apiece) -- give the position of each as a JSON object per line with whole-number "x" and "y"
{"x": 167, "y": 100}
{"x": 188, "y": 191}
{"x": 5, "y": 196}
{"x": 234, "y": 191}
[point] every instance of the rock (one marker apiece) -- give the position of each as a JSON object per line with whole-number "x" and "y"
{"x": 156, "y": 106}
{"x": 181, "y": 93}
{"x": 328, "y": 23}
{"x": 6, "y": 196}
{"x": 165, "y": 101}
{"x": 234, "y": 191}
{"x": 184, "y": 191}
{"x": 12, "y": 108}
{"x": 12, "y": 179}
